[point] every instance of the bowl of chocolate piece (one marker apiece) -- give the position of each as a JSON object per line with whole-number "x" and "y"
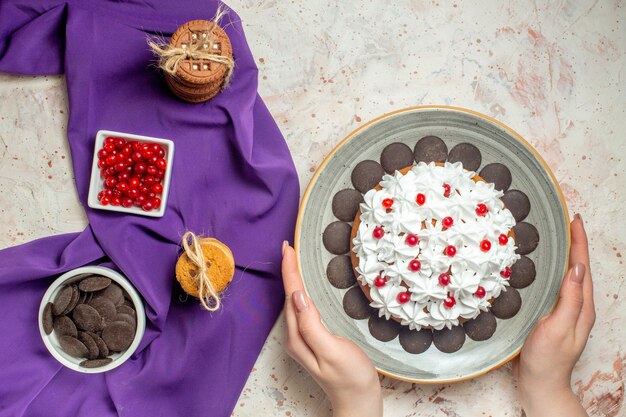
{"x": 91, "y": 319}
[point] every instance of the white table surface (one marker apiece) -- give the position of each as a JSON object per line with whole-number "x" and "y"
{"x": 551, "y": 70}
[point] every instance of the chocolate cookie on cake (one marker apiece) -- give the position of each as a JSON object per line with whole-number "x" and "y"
{"x": 433, "y": 245}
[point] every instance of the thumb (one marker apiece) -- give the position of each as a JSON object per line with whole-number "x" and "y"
{"x": 570, "y": 303}
{"x": 311, "y": 328}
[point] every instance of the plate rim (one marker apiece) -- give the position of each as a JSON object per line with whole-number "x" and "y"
{"x": 520, "y": 138}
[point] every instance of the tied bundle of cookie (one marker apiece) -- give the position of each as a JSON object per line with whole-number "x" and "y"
{"x": 198, "y": 60}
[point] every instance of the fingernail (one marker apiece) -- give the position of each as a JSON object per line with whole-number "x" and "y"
{"x": 577, "y": 274}
{"x": 285, "y": 244}
{"x": 578, "y": 216}
{"x": 299, "y": 301}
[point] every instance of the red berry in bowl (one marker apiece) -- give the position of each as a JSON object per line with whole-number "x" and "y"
{"x": 105, "y": 200}
{"x": 127, "y": 202}
{"x": 156, "y": 201}
{"x": 115, "y": 193}
{"x": 116, "y": 201}
{"x": 132, "y": 193}
{"x": 120, "y": 157}
{"x": 146, "y": 154}
{"x": 161, "y": 163}
{"x": 136, "y": 146}
{"x": 143, "y": 190}
{"x": 151, "y": 170}
{"x": 161, "y": 153}
{"x": 157, "y": 188}
{"x": 122, "y": 186}
{"x": 110, "y": 182}
{"x": 111, "y": 160}
{"x": 120, "y": 166}
{"x": 140, "y": 200}
{"x": 102, "y": 163}
{"x": 110, "y": 140}
{"x": 134, "y": 182}
{"x": 120, "y": 143}
{"x": 102, "y": 153}
{"x": 149, "y": 180}
{"x": 139, "y": 168}
{"x": 128, "y": 150}
{"x": 147, "y": 206}
{"x": 109, "y": 148}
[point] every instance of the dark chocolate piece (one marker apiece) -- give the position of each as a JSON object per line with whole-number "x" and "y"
{"x": 95, "y": 363}
{"x": 63, "y": 325}
{"x": 62, "y": 300}
{"x": 90, "y": 344}
{"x": 124, "y": 309}
{"x": 114, "y": 293}
{"x": 383, "y": 329}
{"x": 522, "y": 273}
{"x": 395, "y": 157}
{"x": 73, "y": 301}
{"x": 414, "y": 341}
{"x": 127, "y": 318}
{"x": 47, "y": 320}
{"x": 467, "y": 154}
{"x": 73, "y": 346}
{"x": 356, "y": 305}
{"x": 340, "y": 273}
{"x": 482, "y": 327}
{"x": 449, "y": 340}
{"x": 430, "y": 149}
{"x": 103, "y": 349}
{"x": 507, "y": 304}
{"x": 497, "y": 174}
{"x": 94, "y": 283}
{"x": 526, "y": 238}
{"x": 118, "y": 335}
{"x": 104, "y": 307}
{"x": 518, "y": 204}
{"x": 87, "y": 318}
{"x": 366, "y": 175}
{"x": 336, "y": 238}
{"x": 346, "y": 204}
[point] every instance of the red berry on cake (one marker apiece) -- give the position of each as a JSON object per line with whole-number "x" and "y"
{"x": 420, "y": 199}
{"x": 480, "y": 292}
{"x": 415, "y": 265}
{"x": 503, "y": 239}
{"x": 403, "y": 297}
{"x": 411, "y": 240}
{"x": 481, "y": 209}
{"x": 446, "y": 190}
{"x": 444, "y": 279}
{"x": 447, "y": 222}
{"x": 380, "y": 281}
{"x": 485, "y": 245}
{"x": 378, "y": 232}
{"x": 506, "y": 273}
{"x": 450, "y": 250}
{"x": 387, "y": 203}
{"x": 449, "y": 302}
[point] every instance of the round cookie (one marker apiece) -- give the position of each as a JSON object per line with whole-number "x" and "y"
{"x": 63, "y": 325}
{"x": 482, "y": 327}
{"x": 356, "y": 305}
{"x": 467, "y": 154}
{"x": 90, "y": 344}
{"x": 94, "y": 283}
{"x": 366, "y": 175}
{"x": 95, "y": 363}
{"x": 62, "y": 300}
{"x": 522, "y": 273}
{"x": 518, "y": 204}
{"x": 526, "y": 238}
{"x": 430, "y": 149}
{"x": 220, "y": 267}
{"x": 395, "y": 157}
{"x": 383, "y": 329}
{"x": 449, "y": 340}
{"x": 48, "y": 319}
{"x": 507, "y": 304}
{"x": 336, "y": 238}
{"x": 340, "y": 273}
{"x": 118, "y": 336}
{"x": 345, "y": 204}
{"x": 497, "y": 174}
{"x": 73, "y": 346}
{"x": 414, "y": 341}
{"x": 87, "y": 318}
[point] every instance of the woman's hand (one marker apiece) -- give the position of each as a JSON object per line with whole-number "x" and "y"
{"x": 544, "y": 368}
{"x": 343, "y": 371}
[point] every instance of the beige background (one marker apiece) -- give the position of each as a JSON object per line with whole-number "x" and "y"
{"x": 551, "y": 70}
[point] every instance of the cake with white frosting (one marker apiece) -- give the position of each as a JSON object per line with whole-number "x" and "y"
{"x": 433, "y": 245}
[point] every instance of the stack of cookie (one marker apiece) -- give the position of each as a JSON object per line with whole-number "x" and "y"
{"x": 199, "y": 80}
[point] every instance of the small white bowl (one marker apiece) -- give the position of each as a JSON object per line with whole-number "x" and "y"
{"x": 52, "y": 342}
{"x": 97, "y": 184}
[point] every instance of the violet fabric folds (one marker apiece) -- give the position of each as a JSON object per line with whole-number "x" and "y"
{"x": 232, "y": 178}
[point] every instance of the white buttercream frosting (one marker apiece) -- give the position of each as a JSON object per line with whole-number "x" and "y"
{"x": 471, "y": 266}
